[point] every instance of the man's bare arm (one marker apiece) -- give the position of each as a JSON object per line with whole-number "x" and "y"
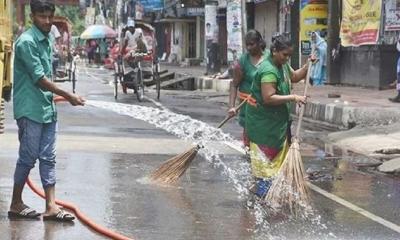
{"x": 74, "y": 99}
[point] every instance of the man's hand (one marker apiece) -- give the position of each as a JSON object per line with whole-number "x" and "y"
{"x": 75, "y": 100}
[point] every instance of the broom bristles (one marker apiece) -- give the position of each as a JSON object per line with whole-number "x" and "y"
{"x": 289, "y": 189}
{"x": 172, "y": 169}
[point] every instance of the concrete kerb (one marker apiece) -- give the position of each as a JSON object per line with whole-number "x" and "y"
{"x": 347, "y": 117}
{"x": 207, "y": 83}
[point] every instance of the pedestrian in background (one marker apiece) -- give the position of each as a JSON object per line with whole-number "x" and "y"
{"x": 35, "y": 112}
{"x": 103, "y": 49}
{"x": 91, "y": 47}
{"x": 244, "y": 71}
{"x": 268, "y": 112}
{"x": 397, "y": 82}
{"x": 319, "y": 50}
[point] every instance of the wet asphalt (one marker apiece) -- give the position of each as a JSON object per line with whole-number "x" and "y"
{"x": 104, "y": 159}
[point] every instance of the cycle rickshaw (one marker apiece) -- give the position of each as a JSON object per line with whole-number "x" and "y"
{"x": 140, "y": 68}
{"x": 65, "y": 60}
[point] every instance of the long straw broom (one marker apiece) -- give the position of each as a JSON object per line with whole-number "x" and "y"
{"x": 289, "y": 189}
{"x": 172, "y": 169}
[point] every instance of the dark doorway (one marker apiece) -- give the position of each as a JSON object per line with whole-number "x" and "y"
{"x": 192, "y": 40}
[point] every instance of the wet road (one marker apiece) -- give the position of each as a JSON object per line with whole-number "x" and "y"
{"x": 104, "y": 158}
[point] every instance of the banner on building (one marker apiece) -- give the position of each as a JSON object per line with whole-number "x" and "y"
{"x": 234, "y": 28}
{"x": 313, "y": 18}
{"x": 211, "y": 27}
{"x": 360, "y": 22}
{"x": 392, "y": 22}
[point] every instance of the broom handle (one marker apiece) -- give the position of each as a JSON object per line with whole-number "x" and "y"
{"x": 236, "y": 109}
{"x": 302, "y": 108}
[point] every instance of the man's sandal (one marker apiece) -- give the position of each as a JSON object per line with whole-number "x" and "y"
{"x": 24, "y": 213}
{"x": 61, "y": 216}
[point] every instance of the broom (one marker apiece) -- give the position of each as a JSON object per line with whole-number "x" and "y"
{"x": 289, "y": 189}
{"x": 172, "y": 169}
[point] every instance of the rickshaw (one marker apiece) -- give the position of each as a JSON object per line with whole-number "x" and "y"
{"x": 143, "y": 67}
{"x": 66, "y": 64}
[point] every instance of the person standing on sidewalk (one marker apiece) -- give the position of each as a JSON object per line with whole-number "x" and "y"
{"x": 319, "y": 49}
{"x": 397, "y": 82}
{"x": 243, "y": 74}
{"x": 35, "y": 112}
{"x": 268, "y": 113}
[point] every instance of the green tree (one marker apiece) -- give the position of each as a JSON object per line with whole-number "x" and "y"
{"x": 73, "y": 14}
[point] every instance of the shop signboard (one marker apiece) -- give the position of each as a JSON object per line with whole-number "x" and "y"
{"x": 195, "y": 11}
{"x": 392, "y": 8}
{"x": 152, "y": 5}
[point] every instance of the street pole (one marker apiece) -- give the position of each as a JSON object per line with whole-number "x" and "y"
{"x": 334, "y": 18}
{"x": 244, "y": 23}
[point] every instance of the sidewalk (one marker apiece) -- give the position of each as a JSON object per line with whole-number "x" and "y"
{"x": 353, "y": 106}
{"x": 202, "y": 82}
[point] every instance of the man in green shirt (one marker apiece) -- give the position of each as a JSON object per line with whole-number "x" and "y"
{"x": 35, "y": 112}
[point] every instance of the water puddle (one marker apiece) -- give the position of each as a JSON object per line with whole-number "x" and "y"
{"x": 308, "y": 226}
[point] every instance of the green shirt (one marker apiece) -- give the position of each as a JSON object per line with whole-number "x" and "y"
{"x": 32, "y": 62}
{"x": 267, "y": 125}
{"x": 249, "y": 71}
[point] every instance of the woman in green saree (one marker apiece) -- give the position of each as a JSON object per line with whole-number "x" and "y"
{"x": 243, "y": 75}
{"x": 268, "y": 112}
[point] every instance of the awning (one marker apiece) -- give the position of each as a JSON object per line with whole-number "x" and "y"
{"x": 173, "y": 20}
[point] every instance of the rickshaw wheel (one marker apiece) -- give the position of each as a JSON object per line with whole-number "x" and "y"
{"x": 116, "y": 73}
{"x": 116, "y": 89}
{"x": 157, "y": 79}
{"x": 158, "y": 87}
{"x": 139, "y": 86}
{"x": 73, "y": 81}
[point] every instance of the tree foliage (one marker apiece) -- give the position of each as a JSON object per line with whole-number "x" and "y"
{"x": 73, "y": 14}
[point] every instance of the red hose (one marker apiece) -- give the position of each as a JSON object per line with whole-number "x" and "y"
{"x": 82, "y": 217}
{"x": 58, "y": 98}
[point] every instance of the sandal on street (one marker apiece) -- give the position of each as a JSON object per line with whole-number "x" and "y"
{"x": 24, "y": 213}
{"x": 61, "y": 216}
